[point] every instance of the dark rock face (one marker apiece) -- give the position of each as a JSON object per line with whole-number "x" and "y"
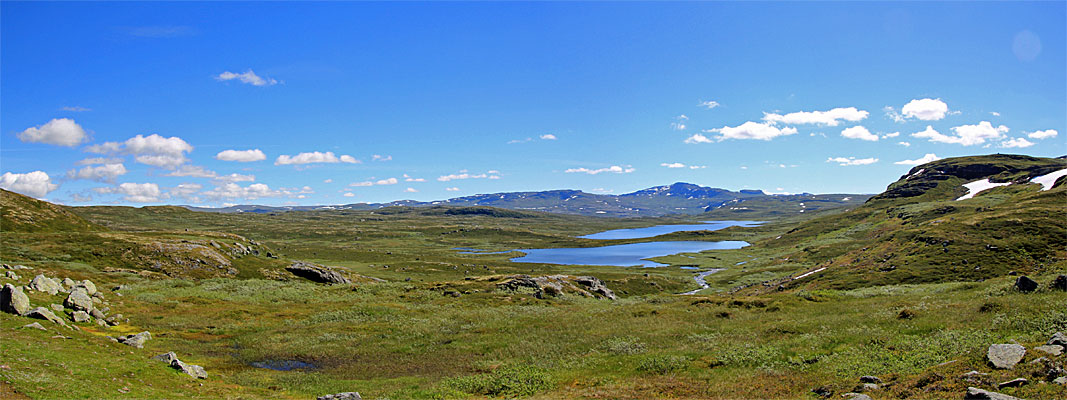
{"x": 1060, "y": 283}
{"x": 1025, "y": 285}
{"x": 317, "y": 273}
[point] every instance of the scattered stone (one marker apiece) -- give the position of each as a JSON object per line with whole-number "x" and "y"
{"x": 856, "y": 396}
{"x": 1060, "y": 381}
{"x": 90, "y": 287}
{"x": 45, "y": 284}
{"x": 596, "y": 286}
{"x": 342, "y": 396}
{"x": 13, "y": 300}
{"x": 1059, "y": 339}
{"x": 97, "y": 313}
{"x": 69, "y": 283}
{"x": 81, "y": 316}
{"x": 1051, "y": 349}
{"x": 317, "y": 273}
{"x": 974, "y": 393}
{"x": 171, "y": 359}
{"x": 12, "y": 275}
{"x": 1025, "y": 285}
{"x": 167, "y": 357}
{"x": 45, "y": 314}
{"x": 1005, "y": 356}
{"x": 973, "y": 374}
{"x": 101, "y": 323}
{"x": 1038, "y": 360}
{"x": 79, "y": 300}
{"x": 870, "y": 386}
{"x": 870, "y": 379}
{"x": 135, "y": 340}
{"x": 35, "y": 325}
{"x": 56, "y": 307}
{"x": 1060, "y": 283}
{"x": 120, "y": 287}
{"x": 823, "y": 391}
{"x": 1013, "y": 383}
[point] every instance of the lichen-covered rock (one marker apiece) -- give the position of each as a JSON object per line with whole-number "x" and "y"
{"x": 89, "y": 286}
{"x": 69, "y": 284}
{"x": 317, "y": 273}
{"x": 35, "y": 325}
{"x": 595, "y": 285}
{"x": 1058, "y": 339}
{"x": 1050, "y": 349}
{"x": 13, "y": 300}
{"x": 135, "y": 340}
{"x": 79, "y": 300}
{"x": 45, "y": 284}
{"x": 341, "y": 396}
{"x": 974, "y": 393}
{"x": 56, "y": 307}
{"x": 167, "y": 357}
{"x": 194, "y": 371}
{"x": 81, "y": 316}
{"x": 1005, "y": 356}
{"x": 45, "y": 314}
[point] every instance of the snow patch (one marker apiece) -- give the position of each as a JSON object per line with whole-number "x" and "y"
{"x": 1048, "y": 180}
{"x": 809, "y": 273}
{"x": 978, "y": 187}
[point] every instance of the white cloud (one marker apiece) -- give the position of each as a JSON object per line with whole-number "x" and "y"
{"x": 673, "y": 165}
{"x": 1016, "y": 143}
{"x": 929, "y": 157}
{"x": 905, "y": 144}
{"x": 231, "y": 191}
{"x": 859, "y": 132}
{"x": 850, "y": 161}
{"x": 380, "y": 182}
{"x": 698, "y": 138}
{"x": 75, "y": 109}
{"x": 515, "y": 141}
{"x": 360, "y": 184}
{"x": 966, "y": 135}
{"x": 697, "y": 166}
{"x": 615, "y": 169}
{"x": 465, "y": 175}
{"x": 34, "y": 184}
{"x": 313, "y": 157}
{"x": 135, "y": 192}
{"x": 328, "y": 181}
{"x": 161, "y": 160}
{"x": 377, "y": 157}
{"x": 154, "y": 150}
{"x": 709, "y": 104}
{"x": 248, "y": 77}
{"x": 99, "y": 160}
{"x": 58, "y": 131}
{"x": 411, "y": 190}
{"x": 747, "y": 130}
{"x": 1045, "y": 134}
{"x": 890, "y": 135}
{"x": 452, "y": 189}
{"x": 193, "y": 171}
{"x": 235, "y": 177}
{"x": 104, "y": 148}
{"x": 892, "y": 114}
{"x": 102, "y": 173}
{"x": 827, "y": 118}
{"x": 389, "y": 181}
{"x": 548, "y": 136}
{"x": 186, "y": 191}
{"x": 925, "y": 109}
{"x": 349, "y": 194}
{"x": 994, "y": 113}
{"x": 241, "y": 155}
{"x": 678, "y": 126}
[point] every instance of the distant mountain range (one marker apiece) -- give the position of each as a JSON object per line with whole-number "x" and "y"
{"x": 678, "y": 198}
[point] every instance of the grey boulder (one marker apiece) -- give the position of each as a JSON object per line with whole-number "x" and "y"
{"x": 342, "y": 396}
{"x": 81, "y": 316}
{"x": 171, "y": 359}
{"x": 595, "y": 285}
{"x": 1058, "y": 339}
{"x": 79, "y": 300}
{"x": 45, "y": 314}
{"x": 13, "y": 300}
{"x": 135, "y": 340}
{"x": 1060, "y": 283}
{"x": 45, "y": 284}
{"x": 1005, "y": 356}
{"x": 317, "y": 273}
{"x": 974, "y": 393}
{"x": 35, "y": 325}
{"x": 1050, "y": 349}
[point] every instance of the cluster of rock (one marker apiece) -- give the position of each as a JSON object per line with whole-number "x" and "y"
{"x": 1008, "y": 355}
{"x": 341, "y": 396}
{"x": 555, "y": 285}
{"x": 135, "y": 340}
{"x": 171, "y": 359}
{"x": 83, "y": 302}
{"x": 317, "y": 273}
{"x": 1026, "y": 285}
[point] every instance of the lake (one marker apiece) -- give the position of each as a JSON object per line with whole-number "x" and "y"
{"x": 657, "y": 230}
{"x": 623, "y": 255}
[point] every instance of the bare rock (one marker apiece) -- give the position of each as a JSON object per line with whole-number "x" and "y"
{"x": 1025, "y": 285}
{"x": 89, "y": 286}
{"x": 45, "y": 314}
{"x": 1013, "y": 383}
{"x": 56, "y": 307}
{"x": 1050, "y": 349}
{"x": 595, "y": 285}
{"x": 342, "y": 396}
{"x": 35, "y": 325}
{"x": 135, "y": 340}
{"x": 171, "y": 359}
{"x": 79, "y": 300}
{"x": 1059, "y": 339}
{"x": 317, "y": 273}
{"x": 45, "y": 284}
{"x": 856, "y": 396}
{"x": 974, "y": 393}
{"x": 12, "y": 275}
{"x": 81, "y": 316}
{"x": 69, "y": 283}
{"x": 1005, "y": 356}
{"x": 13, "y": 300}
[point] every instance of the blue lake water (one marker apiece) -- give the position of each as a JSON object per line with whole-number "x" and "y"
{"x": 657, "y": 230}
{"x": 623, "y": 255}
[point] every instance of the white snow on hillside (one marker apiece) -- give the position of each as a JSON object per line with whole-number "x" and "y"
{"x": 978, "y": 187}
{"x": 1048, "y": 180}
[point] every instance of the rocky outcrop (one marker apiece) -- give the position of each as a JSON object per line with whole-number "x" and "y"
{"x": 134, "y": 340}
{"x": 79, "y": 300}
{"x": 1005, "y": 356}
{"x": 81, "y": 316}
{"x": 89, "y": 286}
{"x": 45, "y": 314}
{"x": 13, "y": 300}
{"x": 1058, "y": 339}
{"x": 974, "y": 393}
{"x": 341, "y": 396}
{"x": 45, "y": 284}
{"x": 192, "y": 370}
{"x": 317, "y": 273}
{"x": 595, "y": 286}
{"x": 555, "y": 285}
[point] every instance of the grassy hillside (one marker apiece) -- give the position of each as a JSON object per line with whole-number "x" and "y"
{"x": 20, "y": 213}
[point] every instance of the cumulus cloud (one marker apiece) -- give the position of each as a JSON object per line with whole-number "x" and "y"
{"x": 186, "y": 191}
{"x": 905, "y": 144}
{"x": 313, "y": 158}
{"x": 615, "y": 169}
{"x": 248, "y": 77}
{"x": 929, "y": 157}
{"x": 411, "y": 190}
{"x": 99, "y": 160}
{"x": 890, "y": 135}
{"x": 34, "y": 184}
{"x": 452, "y": 189}
{"x": 698, "y": 138}
{"x": 859, "y": 132}
{"x": 925, "y": 109}
{"x": 892, "y": 114}
{"x": 100, "y": 173}
{"x": 548, "y": 136}
{"x": 826, "y": 118}
{"x": 408, "y": 178}
{"x": 349, "y": 194}
{"x": 994, "y": 113}
{"x": 1016, "y": 143}
{"x": 747, "y": 130}
{"x": 673, "y": 165}
{"x": 966, "y": 135}
{"x": 850, "y": 161}
{"x": 58, "y": 131}
{"x": 154, "y": 150}
{"x": 134, "y": 192}
{"x": 380, "y": 182}
{"x": 466, "y": 175}
{"x": 1045, "y": 134}
{"x": 235, "y": 177}
{"x": 241, "y": 155}
{"x": 378, "y": 157}
{"x": 232, "y": 191}
{"x": 389, "y": 181}
{"x": 709, "y": 104}
{"x": 194, "y": 171}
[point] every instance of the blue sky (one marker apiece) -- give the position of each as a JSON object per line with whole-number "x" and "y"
{"x": 128, "y": 103}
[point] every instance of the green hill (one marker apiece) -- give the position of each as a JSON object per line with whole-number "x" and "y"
{"x": 20, "y": 213}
